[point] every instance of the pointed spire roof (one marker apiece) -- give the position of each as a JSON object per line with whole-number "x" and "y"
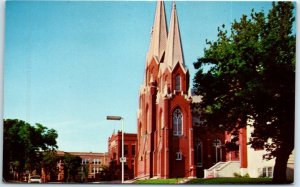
{"x": 159, "y": 33}
{"x": 174, "y": 52}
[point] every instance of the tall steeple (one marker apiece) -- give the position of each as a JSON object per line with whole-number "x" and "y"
{"x": 174, "y": 52}
{"x": 159, "y": 33}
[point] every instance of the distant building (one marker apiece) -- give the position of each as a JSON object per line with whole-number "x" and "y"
{"x": 115, "y": 153}
{"x": 93, "y": 161}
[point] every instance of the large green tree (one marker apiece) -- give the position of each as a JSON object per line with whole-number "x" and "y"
{"x": 49, "y": 163}
{"x": 72, "y": 166}
{"x": 248, "y": 73}
{"x": 24, "y": 144}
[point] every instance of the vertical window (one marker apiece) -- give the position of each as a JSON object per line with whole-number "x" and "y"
{"x": 177, "y": 122}
{"x": 177, "y": 83}
{"x": 198, "y": 149}
{"x": 266, "y": 172}
{"x": 217, "y": 150}
{"x": 125, "y": 149}
{"x": 270, "y": 171}
{"x": 178, "y": 155}
{"x": 147, "y": 120}
{"x": 133, "y": 150}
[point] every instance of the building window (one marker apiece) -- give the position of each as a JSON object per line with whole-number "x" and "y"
{"x": 178, "y": 83}
{"x": 147, "y": 121}
{"x": 125, "y": 150}
{"x": 266, "y": 172}
{"x": 85, "y": 161}
{"x": 133, "y": 150}
{"x": 217, "y": 150}
{"x": 178, "y": 155}
{"x": 177, "y": 122}
{"x": 82, "y": 161}
{"x": 198, "y": 149}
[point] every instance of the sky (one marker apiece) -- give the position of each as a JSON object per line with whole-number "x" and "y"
{"x": 67, "y": 65}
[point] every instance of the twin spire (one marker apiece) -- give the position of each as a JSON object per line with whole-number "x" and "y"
{"x": 163, "y": 44}
{"x": 159, "y": 32}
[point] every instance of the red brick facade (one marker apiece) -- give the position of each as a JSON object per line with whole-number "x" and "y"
{"x": 170, "y": 141}
{"x": 165, "y": 134}
{"x": 115, "y": 153}
{"x": 93, "y": 161}
{"x": 241, "y": 153}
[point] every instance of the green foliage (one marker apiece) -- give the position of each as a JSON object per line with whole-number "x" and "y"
{"x": 23, "y": 146}
{"x": 239, "y": 180}
{"x": 84, "y": 173}
{"x": 49, "y": 162}
{"x": 72, "y": 165}
{"x": 231, "y": 181}
{"x": 237, "y": 174}
{"x": 240, "y": 176}
{"x": 158, "y": 181}
{"x": 252, "y": 77}
{"x": 105, "y": 174}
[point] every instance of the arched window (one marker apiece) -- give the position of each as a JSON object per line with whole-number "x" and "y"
{"x": 199, "y": 153}
{"x": 177, "y": 83}
{"x": 177, "y": 122}
{"x": 217, "y": 150}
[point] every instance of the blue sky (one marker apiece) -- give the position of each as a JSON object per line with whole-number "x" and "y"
{"x": 69, "y": 64}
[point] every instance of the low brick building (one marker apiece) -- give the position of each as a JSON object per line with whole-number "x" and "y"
{"x": 115, "y": 153}
{"x": 94, "y": 162}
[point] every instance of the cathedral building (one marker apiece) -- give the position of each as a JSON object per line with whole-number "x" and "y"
{"x": 171, "y": 142}
{"x": 165, "y": 133}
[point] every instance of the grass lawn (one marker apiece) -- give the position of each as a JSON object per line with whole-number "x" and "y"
{"x": 157, "y": 181}
{"x": 209, "y": 181}
{"x": 231, "y": 181}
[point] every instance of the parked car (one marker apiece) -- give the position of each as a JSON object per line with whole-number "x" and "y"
{"x": 35, "y": 179}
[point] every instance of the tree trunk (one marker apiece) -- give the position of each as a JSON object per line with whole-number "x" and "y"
{"x": 279, "y": 176}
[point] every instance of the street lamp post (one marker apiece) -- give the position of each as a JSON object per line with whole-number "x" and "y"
{"x": 118, "y": 118}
